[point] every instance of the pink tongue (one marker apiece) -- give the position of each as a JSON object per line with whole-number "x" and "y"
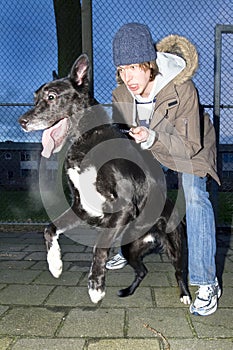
{"x": 53, "y": 137}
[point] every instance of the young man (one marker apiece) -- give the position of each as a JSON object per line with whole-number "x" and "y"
{"x": 166, "y": 120}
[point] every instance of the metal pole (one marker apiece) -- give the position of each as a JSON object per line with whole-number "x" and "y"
{"x": 217, "y": 84}
{"x": 87, "y": 46}
{"x": 216, "y": 115}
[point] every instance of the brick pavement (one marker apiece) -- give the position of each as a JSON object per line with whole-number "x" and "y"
{"x": 40, "y": 312}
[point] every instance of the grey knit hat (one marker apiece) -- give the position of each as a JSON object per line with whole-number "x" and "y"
{"x": 133, "y": 44}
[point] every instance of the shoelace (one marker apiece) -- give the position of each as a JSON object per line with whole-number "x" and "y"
{"x": 205, "y": 292}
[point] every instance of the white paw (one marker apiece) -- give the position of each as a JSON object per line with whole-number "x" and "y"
{"x": 96, "y": 295}
{"x": 54, "y": 259}
{"x": 185, "y": 299}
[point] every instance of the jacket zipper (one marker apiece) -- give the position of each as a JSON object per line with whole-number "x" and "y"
{"x": 186, "y": 128}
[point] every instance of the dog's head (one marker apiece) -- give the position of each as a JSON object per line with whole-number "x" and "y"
{"x": 57, "y": 103}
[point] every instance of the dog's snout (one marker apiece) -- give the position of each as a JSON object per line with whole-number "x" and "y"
{"x": 23, "y": 122}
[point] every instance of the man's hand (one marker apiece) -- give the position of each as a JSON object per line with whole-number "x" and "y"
{"x": 140, "y": 134}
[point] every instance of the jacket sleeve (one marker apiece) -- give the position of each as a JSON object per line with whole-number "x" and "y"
{"x": 181, "y": 136}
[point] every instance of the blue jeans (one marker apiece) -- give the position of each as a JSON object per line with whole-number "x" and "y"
{"x": 201, "y": 232}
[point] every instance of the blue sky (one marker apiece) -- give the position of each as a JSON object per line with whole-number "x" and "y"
{"x": 29, "y": 48}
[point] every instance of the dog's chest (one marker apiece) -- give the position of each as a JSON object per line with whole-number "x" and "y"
{"x": 85, "y": 182}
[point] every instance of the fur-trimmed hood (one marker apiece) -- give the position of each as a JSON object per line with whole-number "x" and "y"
{"x": 181, "y": 47}
{"x": 177, "y": 61}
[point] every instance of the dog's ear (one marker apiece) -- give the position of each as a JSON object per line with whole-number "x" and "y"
{"x": 161, "y": 223}
{"x": 80, "y": 69}
{"x": 55, "y": 75}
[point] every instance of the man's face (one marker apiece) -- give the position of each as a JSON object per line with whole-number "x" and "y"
{"x": 136, "y": 78}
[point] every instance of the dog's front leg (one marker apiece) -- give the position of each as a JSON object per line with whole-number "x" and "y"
{"x": 53, "y": 250}
{"x": 64, "y": 222}
{"x": 96, "y": 279}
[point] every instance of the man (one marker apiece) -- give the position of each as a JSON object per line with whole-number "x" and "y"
{"x": 166, "y": 120}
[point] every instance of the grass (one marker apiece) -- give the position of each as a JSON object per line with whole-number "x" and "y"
{"x": 22, "y": 206}
{"x": 225, "y": 210}
{"x": 28, "y": 207}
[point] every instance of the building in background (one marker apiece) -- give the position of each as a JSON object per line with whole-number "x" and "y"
{"x": 21, "y": 165}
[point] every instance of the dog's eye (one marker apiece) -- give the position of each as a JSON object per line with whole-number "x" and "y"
{"x": 51, "y": 96}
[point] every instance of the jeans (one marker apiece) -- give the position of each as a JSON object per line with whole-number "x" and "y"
{"x": 201, "y": 232}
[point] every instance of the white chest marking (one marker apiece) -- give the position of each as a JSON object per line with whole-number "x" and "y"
{"x": 90, "y": 198}
{"x": 149, "y": 239}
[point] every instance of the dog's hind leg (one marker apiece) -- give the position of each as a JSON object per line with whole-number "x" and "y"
{"x": 179, "y": 261}
{"x": 133, "y": 255}
{"x": 184, "y": 292}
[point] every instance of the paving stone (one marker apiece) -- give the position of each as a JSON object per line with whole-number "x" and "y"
{"x": 168, "y": 297}
{"x": 35, "y": 241}
{"x": 15, "y": 276}
{"x": 200, "y": 344}
{"x": 9, "y": 234}
{"x": 226, "y": 299}
{"x": 66, "y": 278}
{"x": 49, "y": 344}
{"x": 93, "y": 322}
{"x": 217, "y": 325}
{"x": 2, "y": 286}
{"x": 7, "y": 247}
{"x": 227, "y": 279}
{"x": 3, "y": 309}
{"x": 114, "y": 278}
{"x": 67, "y": 239}
{"x": 16, "y": 265}
{"x": 68, "y": 248}
{"x": 89, "y": 249}
{"x": 170, "y": 322}
{"x": 69, "y": 296}
{"x": 30, "y": 321}
{"x": 82, "y": 235}
{"x": 159, "y": 266}
{"x": 83, "y": 266}
{"x": 69, "y": 320}
{"x": 117, "y": 279}
{"x": 43, "y": 265}
{"x": 228, "y": 265}
{"x": 24, "y": 294}
{"x": 5, "y": 342}
{"x": 11, "y": 241}
{"x": 141, "y": 298}
{"x": 152, "y": 258}
{"x": 36, "y": 256}
{"x": 12, "y": 255}
{"x": 35, "y": 248}
{"x": 125, "y": 344}
{"x": 77, "y": 256}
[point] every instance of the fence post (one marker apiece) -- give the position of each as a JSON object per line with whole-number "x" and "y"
{"x": 219, "y": 30}
{"x": 87, "y": 37}
{"x": 216, "y": 114}
{"x": 69, "y": 38}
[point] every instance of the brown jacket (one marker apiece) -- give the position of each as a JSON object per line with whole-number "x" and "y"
{"x": 185, "y": 138}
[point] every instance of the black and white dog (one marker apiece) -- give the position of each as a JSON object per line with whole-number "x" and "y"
{"x": 114, "y": 184}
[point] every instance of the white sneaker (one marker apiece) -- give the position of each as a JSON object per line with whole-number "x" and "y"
{"x": 117, "y": 262}
{"x": 206, "y": 301}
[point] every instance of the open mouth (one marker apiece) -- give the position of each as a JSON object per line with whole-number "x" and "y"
{"x": 133, "y": 87}
{"x": 54, "y": 137}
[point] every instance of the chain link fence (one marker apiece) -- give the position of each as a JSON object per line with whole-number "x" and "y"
{"x": 30, "y": 53}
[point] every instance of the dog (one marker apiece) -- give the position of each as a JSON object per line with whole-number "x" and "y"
{"x": 114, "y": 187}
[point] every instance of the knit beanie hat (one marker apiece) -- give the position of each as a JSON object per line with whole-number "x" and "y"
{"x": 133, "y": 44}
